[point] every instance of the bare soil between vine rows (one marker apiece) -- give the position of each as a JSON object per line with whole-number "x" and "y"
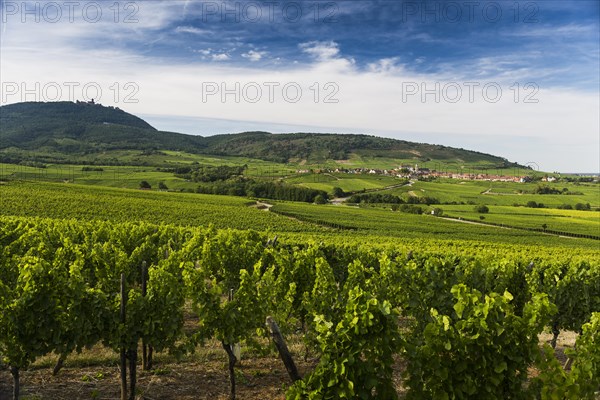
{"x": 94, "y": 374}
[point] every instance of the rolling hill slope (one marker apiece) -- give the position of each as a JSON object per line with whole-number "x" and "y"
{"x": 62, "y": 131}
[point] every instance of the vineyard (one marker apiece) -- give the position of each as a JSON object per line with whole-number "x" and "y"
{"x": 464, "y": 324}
{"x": 319, "y": 200}
{"x": 350, "y": 224}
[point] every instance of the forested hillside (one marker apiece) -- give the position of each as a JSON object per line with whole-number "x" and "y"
{"x": 61, "y": 131}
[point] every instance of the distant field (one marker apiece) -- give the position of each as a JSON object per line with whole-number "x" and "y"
{"x": 499, "y": 193}
{"x": 371, "y": 226}
{"x": 113, "y": 176}
{"x": 444, "y": 190}
{"x": 384, "y": 222}
{"x": 572, "y": 221}
{"x": 88, "y": 203}
{"x": 84, "y": 197}
{"x": 347, "y": 182}
{"x": 130, "y": 176}
{"x": 363, "y": 159}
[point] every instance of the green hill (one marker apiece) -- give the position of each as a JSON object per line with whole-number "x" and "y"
{"x": 80, "y": 128}
{"x": 66, "y": 131}
{"x": 315, "y": 147}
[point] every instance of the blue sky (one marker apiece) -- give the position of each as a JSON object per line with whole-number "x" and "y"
{"x": 430, "y": 37}
{"x": 427, "y": 71}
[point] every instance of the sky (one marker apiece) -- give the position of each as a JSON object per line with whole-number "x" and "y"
{"x": 518, "y": 79}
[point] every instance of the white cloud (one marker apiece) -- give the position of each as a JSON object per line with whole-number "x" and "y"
{"x": 254, "y": 55}
{"x": 368, "y": 101}
{"x": 192, "y": 30}
{"x": 321, "y": 50}
{"x": 80, "y": 23}
{"x": 564, "y": 31}
{"x": 204, "y": 52}
{"x": 210, "y": 54}
{"x": 386, "y": 65}
{"x": 220, "y": 57}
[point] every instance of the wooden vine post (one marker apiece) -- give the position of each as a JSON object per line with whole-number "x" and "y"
{"x": 282, "y": 348}
{"x": 232, "y": 360}
{"x": 16, "y": 383}
{"x": 58, "y": 366}
{"x": 132, "y": 372}
{"x": 146, "y": 349}
{"x": 123, "y": 350}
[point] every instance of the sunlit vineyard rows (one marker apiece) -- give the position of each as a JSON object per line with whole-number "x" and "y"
{"x": 464, "y": 324}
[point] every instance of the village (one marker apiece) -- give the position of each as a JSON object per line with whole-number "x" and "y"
{"x": 415, "y": 173}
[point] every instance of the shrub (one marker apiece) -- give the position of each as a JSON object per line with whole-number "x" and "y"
{"x": 145, "y": 185}
{"x": 544, "y": 189}
{"x": 338, "y": 192}
{"x": 533, "y": 204}
{"x": 482, "y": 209}
{"x": 581, "y": 206}
{"x": 320, "y": 199}
{"x": 565, "y": 207}
{"x": 411, "y": 209}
